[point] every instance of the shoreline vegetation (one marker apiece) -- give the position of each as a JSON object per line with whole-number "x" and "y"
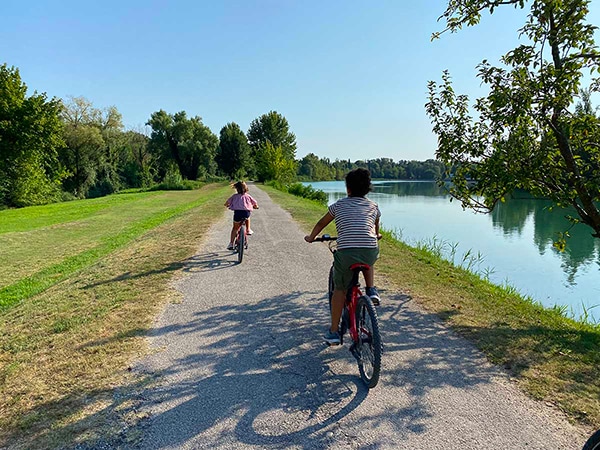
{"x": 551, "y": 357}
{"x": 65, "y": 350}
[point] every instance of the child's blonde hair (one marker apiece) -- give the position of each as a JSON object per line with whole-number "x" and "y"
{"x": 241, "y": 187}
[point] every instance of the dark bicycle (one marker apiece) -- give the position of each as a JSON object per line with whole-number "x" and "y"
{"x": 359, "y": 318}
{"x": 241, "y": 242}
{"x": 593, "y": 443}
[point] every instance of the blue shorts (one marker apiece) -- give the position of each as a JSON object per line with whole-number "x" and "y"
{"x": 240, "y": 215}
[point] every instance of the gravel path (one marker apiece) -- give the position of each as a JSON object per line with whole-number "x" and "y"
{"x": 240, "y": 364}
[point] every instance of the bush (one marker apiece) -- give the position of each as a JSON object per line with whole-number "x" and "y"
{"x": 214, "y": 179}
{"x": 102, "y": 188}
{"x": 300, "y": 190}
{"x": 174, "y": 182}
{"x": 65, "y": 196}
{"x": 309, "y": 192}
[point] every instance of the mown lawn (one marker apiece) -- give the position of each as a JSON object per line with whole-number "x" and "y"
{"x": 554, "y": 358}
{"x": 92, "y": 276}
{"x": 42, "y": 245}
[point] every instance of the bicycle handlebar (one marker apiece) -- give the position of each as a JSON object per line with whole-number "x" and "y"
{"x": 325, "y": 238}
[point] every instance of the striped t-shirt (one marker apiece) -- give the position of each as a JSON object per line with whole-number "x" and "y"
{"x": 355, "y": 219}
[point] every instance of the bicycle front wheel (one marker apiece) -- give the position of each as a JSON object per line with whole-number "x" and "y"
{"x": 369, "y": 346}
{"x": 241, "y": 243}
{"x": 593, "y": 443}
{"x": 330, "y": 286}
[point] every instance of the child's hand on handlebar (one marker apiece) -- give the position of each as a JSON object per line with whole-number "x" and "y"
{"x": 308, "y": 239}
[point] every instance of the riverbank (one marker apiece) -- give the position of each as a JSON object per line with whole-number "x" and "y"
{"x": 552, "y": 358}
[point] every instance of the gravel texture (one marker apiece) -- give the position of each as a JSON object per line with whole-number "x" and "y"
{"x": 240, "y": 364}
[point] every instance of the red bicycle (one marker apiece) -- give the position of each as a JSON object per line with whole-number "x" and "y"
{"x": 359, "y": 318}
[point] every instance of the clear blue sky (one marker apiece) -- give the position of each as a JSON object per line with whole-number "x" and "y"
{"x": 349, "y": 75}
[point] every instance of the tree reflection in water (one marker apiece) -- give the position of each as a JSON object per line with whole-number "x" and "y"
{"x": 516, "y": 239}
{"x": 582, "y": 249}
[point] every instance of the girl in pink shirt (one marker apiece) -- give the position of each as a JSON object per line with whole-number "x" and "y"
{"x": 242, "y": 205}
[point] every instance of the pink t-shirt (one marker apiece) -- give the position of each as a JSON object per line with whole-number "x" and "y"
{"x": 241, "y": 202}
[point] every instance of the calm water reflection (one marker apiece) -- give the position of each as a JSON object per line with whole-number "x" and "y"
{"x": 515, "y": 240}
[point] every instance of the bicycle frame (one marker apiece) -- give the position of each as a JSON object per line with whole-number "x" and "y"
{"x": 352, "y": 296}
{"x": 243, "y": 224}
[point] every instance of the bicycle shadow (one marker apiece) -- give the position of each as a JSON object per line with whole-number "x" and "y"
{"x": 203, "y": 262}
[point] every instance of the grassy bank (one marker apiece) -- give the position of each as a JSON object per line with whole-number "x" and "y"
{"x": 553, "y": 358}
{"x": 101, "y": 271}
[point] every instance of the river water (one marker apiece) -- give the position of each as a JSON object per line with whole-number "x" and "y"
{"x": 511, "y": 245}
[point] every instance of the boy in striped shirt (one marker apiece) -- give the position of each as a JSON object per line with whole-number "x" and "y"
{"x": 357, "y": 224}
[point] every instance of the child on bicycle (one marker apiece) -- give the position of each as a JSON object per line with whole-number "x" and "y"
{"x": 357, "y": 224}
{"x": 242, "y": 205}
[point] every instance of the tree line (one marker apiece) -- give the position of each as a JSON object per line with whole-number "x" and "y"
{"x": 313, "y": 168}
{"x": 55, "y": 149}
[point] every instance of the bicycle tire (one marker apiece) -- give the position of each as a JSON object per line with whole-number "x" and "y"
{"x": 241, "y": 243}
{"x": 593, "y": 443}
{"x": 330, "y": 287}
{"x": 369, "y": 345}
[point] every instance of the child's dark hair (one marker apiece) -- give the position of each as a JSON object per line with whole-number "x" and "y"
{"x": 240, "y": 187}
{"x": 358, "y": 182}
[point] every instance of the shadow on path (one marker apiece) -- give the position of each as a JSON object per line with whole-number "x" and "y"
{"x": 257, "y": 374}
{"x": 260, "y": 374}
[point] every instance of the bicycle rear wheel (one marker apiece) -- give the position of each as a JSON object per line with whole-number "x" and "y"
{"x": 241, "y": 243}
{"x": 593, "y": 443}
{"x": 369, "y": 347}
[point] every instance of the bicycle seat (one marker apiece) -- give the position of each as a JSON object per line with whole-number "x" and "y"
{"x": 360, "y": 267}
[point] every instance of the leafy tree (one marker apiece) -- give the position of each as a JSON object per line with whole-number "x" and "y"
{"x": 312, "y": 167}
{"x": 274, "y": 128}
{"x": 233, "y": 154}
{"x": 30, "y": 136}
{"x": 135, "y": 160}
{"x": 273, "y": 164}
{"x": 524, "y": 134}
{"x": 84, "y": 153}
{"x": 187, "y": 142}
{"x": 111, "y": 128}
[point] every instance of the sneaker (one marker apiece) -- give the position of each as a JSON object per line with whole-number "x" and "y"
{"x": 249, "y": 232}
{"x": 332, "y": 337}
{"x": 372, "y": 292}
{"x": 230, "y": 246}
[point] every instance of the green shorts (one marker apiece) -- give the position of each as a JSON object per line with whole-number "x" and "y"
{"x": 343, "y": 259}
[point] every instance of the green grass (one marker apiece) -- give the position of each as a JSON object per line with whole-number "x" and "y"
{"x": 553, "y": 357}
{"x": 46, "y": 244}
{"x": 65, "y": 350}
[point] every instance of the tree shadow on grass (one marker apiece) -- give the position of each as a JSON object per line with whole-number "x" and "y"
{"x": 518, "y": 348}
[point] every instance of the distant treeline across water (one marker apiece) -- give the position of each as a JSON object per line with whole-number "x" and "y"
{"x": 314, "y": 168}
